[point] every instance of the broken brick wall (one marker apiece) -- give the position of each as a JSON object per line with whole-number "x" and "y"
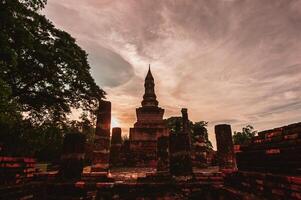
{"x": 270, "y": 166}
{"x": 277, "y": 150}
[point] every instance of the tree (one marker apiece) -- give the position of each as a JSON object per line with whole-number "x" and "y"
{"x": 200, "y": 129}
{"x": 174, "y": 124}
{"x": 196, "y": 129}
{"x": 10, "y": 118}
{"x": 244, "y": 137}
{"x": 86, "y": 125}
{"x": 43, "y": 75}
{"x": 47, "y": 71}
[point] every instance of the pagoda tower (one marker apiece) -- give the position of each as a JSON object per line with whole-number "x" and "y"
{"x": 148, "y": 128}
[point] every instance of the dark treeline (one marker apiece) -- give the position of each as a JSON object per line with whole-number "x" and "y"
{"x": 44, "y": 74}
{"x": 244, "y": 137}
{"x": 196, "y": 129}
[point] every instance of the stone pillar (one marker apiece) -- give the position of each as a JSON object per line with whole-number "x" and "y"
{"x": 126, "y": 155}
{"x": 185, "y": 120}
{"x": 163, "y": 154}
{"x": 116, "y": 135}
{"x": 115, "y": 159}
{"x": 200, "y": 149}
{"x": 186, "y": 126}
{"x": 180, "y": 149}
{"x": 73, "y": 155}
{"x": 225, "y": 149}
{"x": 101, "y": 151}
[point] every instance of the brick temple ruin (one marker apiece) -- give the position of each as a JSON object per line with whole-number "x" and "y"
{"x": 148, "y": 128}
{"x": 157, "y": 164}
{"x": 102, "y": 138}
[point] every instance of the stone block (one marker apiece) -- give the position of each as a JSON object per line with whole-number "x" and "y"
{"x": 225, "y": 149}
{"x": 101, "y": 150}
{"x": 163, "y": 154}
{"x": 73, "y": 155}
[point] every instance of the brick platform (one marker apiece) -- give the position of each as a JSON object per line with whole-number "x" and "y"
{"x": 16, "y": 170}
{"x": 266, "y": 185}
{"x": 277, "y": 150}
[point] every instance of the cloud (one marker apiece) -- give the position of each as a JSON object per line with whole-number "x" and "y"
{"x": 234, "y": 62}
{"x": 109, "y": 68}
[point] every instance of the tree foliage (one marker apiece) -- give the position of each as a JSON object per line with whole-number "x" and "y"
{"x": 47, "y": 71}
{"x": 200, "y": 130}
{"x": 34, "y": 4}
{"x": 196, "y": 129}
{"x": 244, "y": 137}
{"x": 44, "y": 74}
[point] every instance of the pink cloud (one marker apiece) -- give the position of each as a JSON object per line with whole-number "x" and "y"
{"x": 227, "y": 61}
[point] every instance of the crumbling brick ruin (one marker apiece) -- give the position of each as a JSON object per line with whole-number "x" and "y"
{"x": 271, "y": 165}
{"x": 225, "y": 149}
{"x": 115, "y": 149}
{"x": 200, "y": 153}
{"x": 276, "y": 151}
{"x": 148, "y": 128}
{"x": 180, "y": 149}
{"x": 267, "y": 168}
{"x": 16, "y": 170}
{"x": 73, "y": 155}
{"x": 101, "y": 151}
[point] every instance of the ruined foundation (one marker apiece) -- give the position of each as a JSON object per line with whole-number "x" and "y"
{"x": 225, "y": 149}
{"x": 148, "y": 128}
{"x": 100, "y": 161}
{"x": 72, "y": 158}
{"x": 156, "y": 165}
{"x": 180, "y": 149}
{"x": 115, "y": 149}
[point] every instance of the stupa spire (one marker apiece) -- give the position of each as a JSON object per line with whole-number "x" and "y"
{"x": 149, "y": 97}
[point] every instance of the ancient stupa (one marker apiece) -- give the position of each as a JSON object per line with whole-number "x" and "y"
{"x": 148, "y": 128}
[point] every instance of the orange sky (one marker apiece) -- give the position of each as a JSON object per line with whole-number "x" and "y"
{"x": 227, "y": 61}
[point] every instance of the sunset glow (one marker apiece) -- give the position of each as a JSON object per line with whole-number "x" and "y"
{"x": 234, "y": 62}
{"x": 114, "y": 122}
{"x": 150, "y": 99}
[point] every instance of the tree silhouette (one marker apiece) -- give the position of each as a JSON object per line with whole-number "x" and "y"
{"x": 244, "y": 137}
{"x": 47, "y": 71}
{"x": 197, "y": 129}
{"x": 44, "y": 74}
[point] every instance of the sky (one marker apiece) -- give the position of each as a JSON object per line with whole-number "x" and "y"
{"x": 227, "y": 61}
